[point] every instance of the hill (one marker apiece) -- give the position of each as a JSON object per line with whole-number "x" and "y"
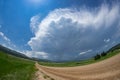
{"x": 108, "y": 69}
{"x": 12, "y": 52}
{"x": 114, "y": 48}
{"x": 14, "y": 68}
{"x": 111, "y": 52}
{"x": 17, "y": 66}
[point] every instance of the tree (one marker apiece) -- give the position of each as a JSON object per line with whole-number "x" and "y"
{"x": 97, "y": 57}
{"x": 103, "y": 54}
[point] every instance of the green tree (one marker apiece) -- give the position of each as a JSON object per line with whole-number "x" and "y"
{"x": 96, "y": 57}
{"x": 103, "y": 54}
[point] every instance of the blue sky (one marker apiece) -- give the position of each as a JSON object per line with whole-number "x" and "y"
{"x": 15, "y": 16}
{"x": 59, "y": 30}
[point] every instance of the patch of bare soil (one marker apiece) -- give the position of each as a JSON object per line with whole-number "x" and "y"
{"x": 108, "y": 69}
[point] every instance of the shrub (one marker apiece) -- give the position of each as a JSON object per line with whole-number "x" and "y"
{"x": 97, "y": 57}
{"x": 103, "y": 54}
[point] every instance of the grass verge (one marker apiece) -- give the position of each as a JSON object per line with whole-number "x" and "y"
{"x": 13, "y": 68}
{"x": 79, "y": 63}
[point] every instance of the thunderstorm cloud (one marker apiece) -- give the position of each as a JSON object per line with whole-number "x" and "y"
{"x": 68, "y": 34}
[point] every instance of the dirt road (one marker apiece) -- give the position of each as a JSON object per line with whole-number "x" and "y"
{"x": 108, "y": 69}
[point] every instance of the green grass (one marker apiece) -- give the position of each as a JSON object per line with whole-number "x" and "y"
{"x": 13, "y": 68}
{"x": 79, "y": 63}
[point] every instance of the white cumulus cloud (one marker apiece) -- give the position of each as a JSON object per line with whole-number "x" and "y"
{"x": 41, "y": 55}
{"x": 34, "y": 23}
{"x": 5, "y": 41}
{"x": 4, "y": 37}
{"x": 85, "y": 52}
{"x": 107, "y": 40}
{"x": 64, "y": 33}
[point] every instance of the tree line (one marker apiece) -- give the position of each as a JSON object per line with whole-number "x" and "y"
{"x": 98, "y": 56}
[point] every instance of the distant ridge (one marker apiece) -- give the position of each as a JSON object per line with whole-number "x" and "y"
{"x": 114, "y": 48}
{"x": 18, "y": 54}
{"x": 12, "y": 52}
{"x": 21, "y": 55}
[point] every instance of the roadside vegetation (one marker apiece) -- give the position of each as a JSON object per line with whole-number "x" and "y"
{"x": 13, "y": 68}
{"x": 97, "y": 58}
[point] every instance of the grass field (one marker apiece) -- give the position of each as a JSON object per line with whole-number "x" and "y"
{"x": 79, "y": 63}
{"x": 13, "y": 68}
{"x": 105, "y": 69}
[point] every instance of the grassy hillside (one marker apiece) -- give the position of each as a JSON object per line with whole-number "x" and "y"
{"x": 80, "y": 63}
{"x": 114, "y": 48}
{"x": 13, "y": 68}
{"x": 12, "y": 52}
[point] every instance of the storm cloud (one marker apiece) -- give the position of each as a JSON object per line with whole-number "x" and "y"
{"x": 68, "y": 34}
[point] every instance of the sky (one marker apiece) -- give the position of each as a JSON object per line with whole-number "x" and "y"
{"x": 60, "y": 30}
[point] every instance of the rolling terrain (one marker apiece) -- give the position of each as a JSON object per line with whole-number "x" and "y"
{"x": 14, "y": 68}
{"x": 108, "y": 69}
